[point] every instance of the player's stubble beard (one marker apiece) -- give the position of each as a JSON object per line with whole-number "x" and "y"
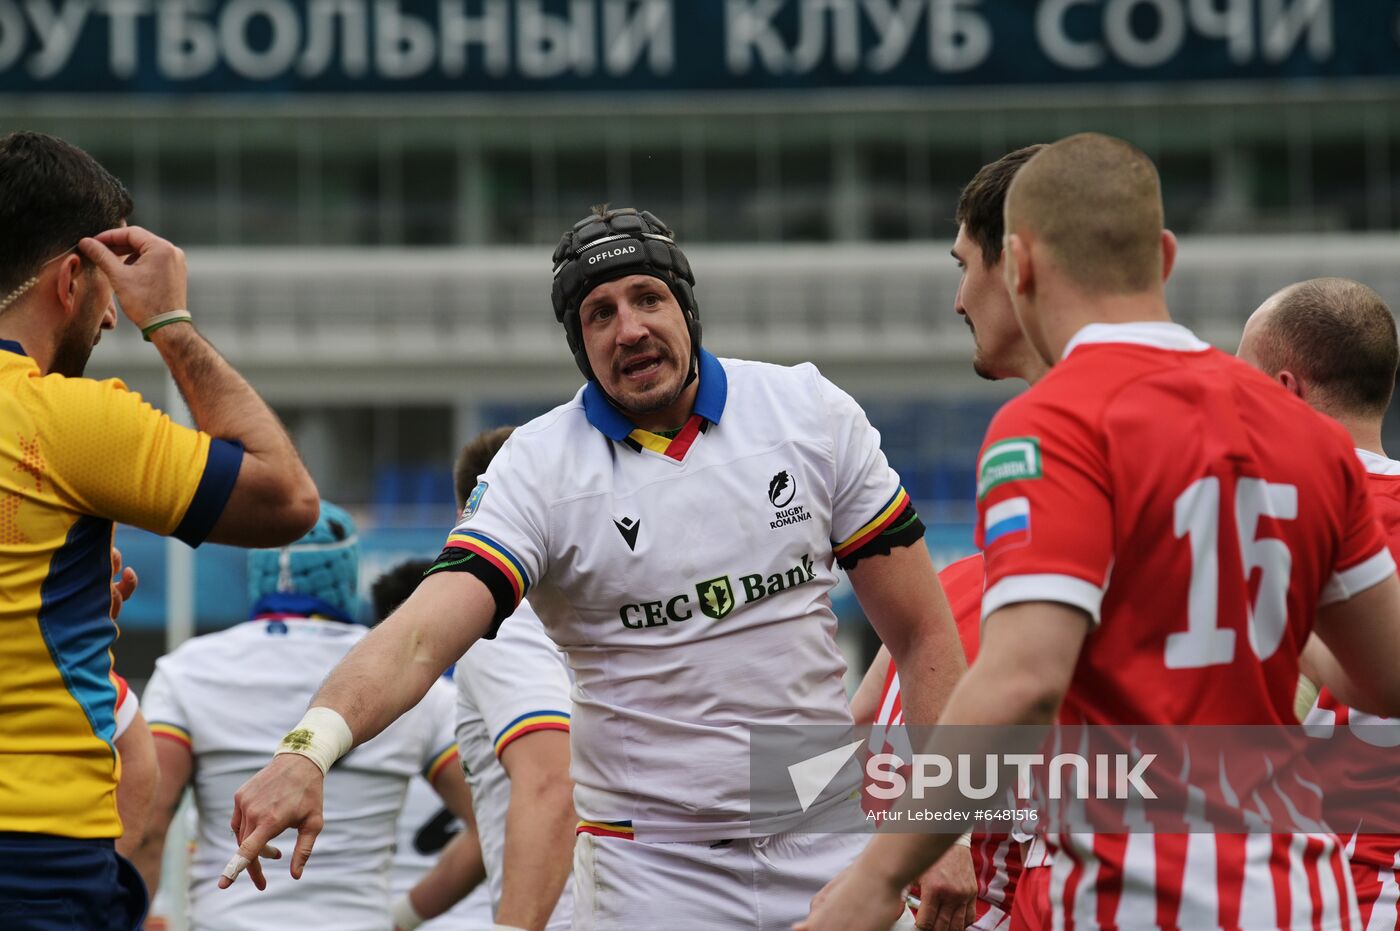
{"x": 640, "y": 403}
{"x": 980, "y": 368}
{"x": 979, "y": 362}
{"x": 76, "y": 342}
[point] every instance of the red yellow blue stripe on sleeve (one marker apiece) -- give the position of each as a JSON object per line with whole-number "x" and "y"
{"x": 528, "y": 723}
{"x": 621, "y": 829}
{"x": 446, "y": 757}
{"x": 887, "y": 516}
{"x": 172, "y": 732}
{"x": 496, "y": 554}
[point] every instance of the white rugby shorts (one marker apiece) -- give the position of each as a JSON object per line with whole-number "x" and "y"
{"x": 761, "y": 883}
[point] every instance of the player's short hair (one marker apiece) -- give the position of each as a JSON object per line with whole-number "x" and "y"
{"x": 52, "y": 194}
{"x": 393, "y": 587}
{"x": 982, "y": 206}
{"x": 1336, "y": 334}
{"x": 1095, "y": 202}
{"x": 473, "y": 460}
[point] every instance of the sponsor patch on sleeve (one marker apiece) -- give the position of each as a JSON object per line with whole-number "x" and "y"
{"x": 1011, "y": 460}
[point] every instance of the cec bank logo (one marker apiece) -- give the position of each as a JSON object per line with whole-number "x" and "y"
{"x": 716, "y": 597}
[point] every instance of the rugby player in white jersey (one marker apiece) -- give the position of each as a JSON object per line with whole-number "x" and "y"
{"x": 513, "y": 734}
{"x": 426, "y": 828}
{"x": 220, "y": 700}
{"x": 677, "y": 525}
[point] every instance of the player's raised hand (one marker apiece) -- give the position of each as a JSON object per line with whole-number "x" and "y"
{"x": 948, "y": 892}
{"x": 147, "y": 273}
{"x": 285, "y": 793}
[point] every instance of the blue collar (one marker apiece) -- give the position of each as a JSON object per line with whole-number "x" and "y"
{"x": 292, "y": 604}
{"x": 9, "y": 345}
{"x": 709, "y": 401}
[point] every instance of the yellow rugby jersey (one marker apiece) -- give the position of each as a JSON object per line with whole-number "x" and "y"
{"x": 75, "y": 456}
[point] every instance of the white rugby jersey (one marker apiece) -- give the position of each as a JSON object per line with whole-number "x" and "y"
{"x": 688, "y": 579}
{"x": 425, "y": 827}
{"x": 508, "y": 687}
{"x": 230, "y": 697}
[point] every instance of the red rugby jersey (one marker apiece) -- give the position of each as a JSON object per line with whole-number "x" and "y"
{"x": 1198, "y": 513}
{"x": 1366, "y": 775}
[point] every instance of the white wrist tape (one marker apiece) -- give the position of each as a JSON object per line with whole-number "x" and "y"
{"x": 322, "y": 736}
{"x": 403, "y": 913}
{"x": 964, "y": 840}
{"x": 506, "y": 928}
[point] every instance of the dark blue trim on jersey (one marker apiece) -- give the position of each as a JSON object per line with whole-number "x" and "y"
{"x": 9, "y": 345}
{"x": 215, "y": 485}
{"x": 295, "y": 604}
{"x": 714, "y": 388}
{"x": 75, "y": 618}
{"x": 710, "y": 399}
{"x": 605, "y": 418}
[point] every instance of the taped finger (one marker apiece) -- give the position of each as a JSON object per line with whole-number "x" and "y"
{"x": 237, "y": 864}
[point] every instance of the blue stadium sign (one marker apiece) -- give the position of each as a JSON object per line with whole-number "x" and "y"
{"x": 162, "y": 47}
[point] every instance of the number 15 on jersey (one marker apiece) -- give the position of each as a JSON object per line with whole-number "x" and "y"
{"x": 1197, "y": 514}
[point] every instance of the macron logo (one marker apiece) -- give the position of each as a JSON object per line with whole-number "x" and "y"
{"x": 628, "y": 528}
{"x": 811, "y": 777}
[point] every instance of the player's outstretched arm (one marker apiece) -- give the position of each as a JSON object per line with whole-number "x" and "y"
{"x": 274, "y": 501}
{"x": 900, "y": 594}
{"x": 1026, "y": 660}
{"x": 387, "y": 673}
{"x": 1361, "y": 661}
{"x": 540, "y": 824}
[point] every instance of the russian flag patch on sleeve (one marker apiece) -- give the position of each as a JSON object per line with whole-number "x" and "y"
{"x": 1007, "y": 519}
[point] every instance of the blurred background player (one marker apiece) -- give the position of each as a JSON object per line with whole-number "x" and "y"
{"x": 136, "y": 792}
{"x": 513, "y": 707}
{"x": 670, "y": 608}
{"x": 76, "y": 456}
{"x": 1011, "y": 889}
{"x": 1140, "y": 428}
{"x": 220, "y": 700}
{"x": 1331, "y": 342}
{"x": 426, "y": 827}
